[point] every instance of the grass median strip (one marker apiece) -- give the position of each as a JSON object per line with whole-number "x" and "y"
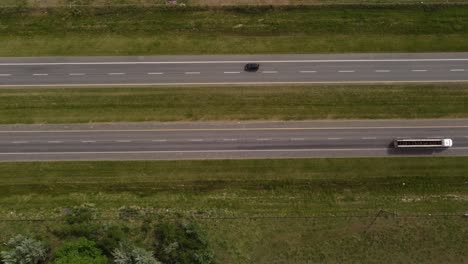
{"x": 196, "y": 30}
{"x": 232, "y": 103}
{"x": 344, "y": 195}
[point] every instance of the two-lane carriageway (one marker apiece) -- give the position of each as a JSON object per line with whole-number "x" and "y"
{"x": 228, "y": 70}
{"x": 225, "y": 140}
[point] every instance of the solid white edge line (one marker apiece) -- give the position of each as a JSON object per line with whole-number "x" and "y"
{"x": 222, "y": 62}
{"x": 230, "y": 129}
{"x": 200, "y": 151}
{"x": 226, "y": 83}
{"x": 183, "y": 151}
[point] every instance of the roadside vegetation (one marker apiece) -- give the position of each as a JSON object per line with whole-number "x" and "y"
{"x": 78, "y": 238}
{"x": 132, "y": 30}
{"x": 107, "y": 3}
{"x": 256, "y": 211}
{"x": 232, "y": 103}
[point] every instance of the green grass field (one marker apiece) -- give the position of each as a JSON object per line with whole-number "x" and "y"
{"x": 232, "y": 103}
{"x": 192, "y": 30}
{"x": 71, "y": 3}
{"x": 311, "y": 210}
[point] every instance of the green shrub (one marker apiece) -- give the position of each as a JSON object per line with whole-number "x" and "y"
{"x": 109, "y": 237}
{"x": 180, "y": 243}
{"x": 130, "y": 254}
{"x": 128, "y": 213}
{"x": 81, "y": 214}
{"x": 79, "y": 222}
{"x": 24, "y": 250}
{"x": 87, "y": 230}
{"x": 80, "y": 251}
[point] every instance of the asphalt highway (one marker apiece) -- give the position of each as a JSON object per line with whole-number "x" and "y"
{"x": 228, "y": 70}
{"x": 226, "y": 140}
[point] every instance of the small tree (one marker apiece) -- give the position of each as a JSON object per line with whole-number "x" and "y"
{"x": 81, "y": 251}
{"x": 129, "y": 254}
{"x": 24, "y": 250}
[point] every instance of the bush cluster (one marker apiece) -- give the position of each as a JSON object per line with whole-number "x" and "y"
{"x": 83, "y": 240}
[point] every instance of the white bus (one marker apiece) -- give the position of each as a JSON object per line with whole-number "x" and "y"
{"x": 423, "y": 143}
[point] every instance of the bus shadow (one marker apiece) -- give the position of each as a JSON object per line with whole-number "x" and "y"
{"x": 391, "y": 150}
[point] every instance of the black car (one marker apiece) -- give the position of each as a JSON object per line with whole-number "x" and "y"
{"x": 251, "y": 67}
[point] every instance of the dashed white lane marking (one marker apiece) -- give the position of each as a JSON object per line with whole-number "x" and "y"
{"x": 368, "y": 138}
{"x": 5, "y": 75}
{"x": 159, "y": 140}
{"x": 419, "y": 70}
{"x": 347, "y": 71}
{"x": 196, "y": 140}
{"x": 269, "y": 72}
{"x": 263, "y": 139}
{"x": 227, "y": 61}
{"x": 40, "y": 74}
{"x": 230, "y": 139}
{"x": 231, "y": 72}
{"x": 308, "y": 71}
{"x": 333, "y": 138}
{"x": 116, "y": 73}
{"x": 155, "y": 73}
{"x": 192, "y": 72}
{"x": 457, "y": 70}
{"x": 297, "y": 139}
{"x": 55, "y": 141}
{"x": 123, "y": 141}
{"x": 382, "y": 70}
{"x": 466, "y": 136}
{"x": 76, "y": 74}
{"x": 19, "y": 142}
{"x": 88, "y": 141}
